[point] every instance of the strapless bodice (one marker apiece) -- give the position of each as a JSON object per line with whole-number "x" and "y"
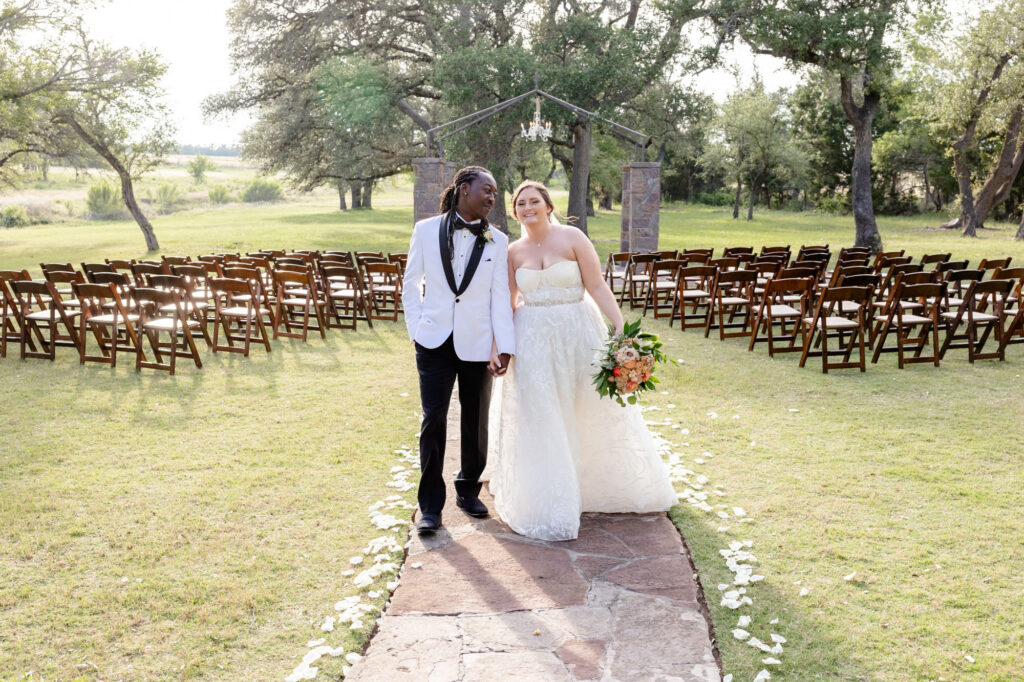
{"x": 557, "y": 284}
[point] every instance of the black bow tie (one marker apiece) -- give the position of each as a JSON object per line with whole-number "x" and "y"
{"x": 460, "y": 224}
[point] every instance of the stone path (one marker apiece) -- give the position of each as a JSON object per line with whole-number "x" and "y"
{"x": 618, "y": 603}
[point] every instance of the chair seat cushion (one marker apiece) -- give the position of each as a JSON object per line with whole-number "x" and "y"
{"x": 44, "y": 315}
{"x": 187, "y": 307}
{"x": 297, "y": 301}
{"x": 781, "y": 310}
{"x": 694, "y": 293}
{"x": 978, "y": 317}
{"x": 910, "y": 318}
{"x": 109, "y": 319}
{"x": 242, "y": 311}
{"x": 168, "y": 323}
{"x": 834, "y": 322}
{"x": 734, "y": 300}
{"x": 848, "y": 307}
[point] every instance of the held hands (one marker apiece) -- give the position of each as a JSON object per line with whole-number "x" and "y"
{"x": 499, "y": 363}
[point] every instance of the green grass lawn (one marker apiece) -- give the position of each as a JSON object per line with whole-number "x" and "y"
{"x": 232, "y": 498}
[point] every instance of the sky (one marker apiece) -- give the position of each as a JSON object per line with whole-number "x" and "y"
{"x": 193, "y": 38}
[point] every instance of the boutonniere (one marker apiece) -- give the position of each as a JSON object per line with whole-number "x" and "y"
{"x": 485, "y": 237}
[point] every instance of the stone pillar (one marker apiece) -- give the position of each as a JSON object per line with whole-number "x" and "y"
{"x": 431, "y": 176}
{"x": 641, "y": 206}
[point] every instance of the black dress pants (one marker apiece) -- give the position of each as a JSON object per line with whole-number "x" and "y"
{"x": 438, "y": 369}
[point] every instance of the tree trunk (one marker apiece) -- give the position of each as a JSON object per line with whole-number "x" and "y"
{"x": 753, "y": 193}
{"x": 968, "y": 216}
{"x": 606, "y": 200}
{"x": 127, "y": 190}
{"x": 736, "y": 200}
{"x": 341, "y": 197}
{"x": 368, "y": 194}
{"x": 862, "y": 118}
{"x": 927, "y": 187}
{"x": 1020, "y": 230}
{"x": 997, "y": 188}
{"x": 357, "y": 194}
{"x": 580, "y": 178}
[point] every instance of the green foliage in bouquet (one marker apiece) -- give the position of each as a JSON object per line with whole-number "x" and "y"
{"x": 628, "y": 363}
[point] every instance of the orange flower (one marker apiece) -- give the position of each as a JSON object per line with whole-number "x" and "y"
{"x": 617, "y": 372}
{"x": 631, "y": 386}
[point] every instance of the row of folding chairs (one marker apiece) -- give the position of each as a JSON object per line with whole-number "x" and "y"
{"x": 888, "y": 305}
{"x": 170, "y": 304}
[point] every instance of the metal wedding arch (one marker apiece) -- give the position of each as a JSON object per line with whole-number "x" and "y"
{"x": 641, "y": 180}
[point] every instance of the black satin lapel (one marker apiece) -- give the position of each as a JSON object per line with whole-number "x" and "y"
{"x": 474, "y": 261}
{"x": 446, "y": 256}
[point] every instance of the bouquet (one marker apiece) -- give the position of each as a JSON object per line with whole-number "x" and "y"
{"x": 627, "y": 364}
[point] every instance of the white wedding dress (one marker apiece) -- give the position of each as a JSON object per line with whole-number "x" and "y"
{"x": 556, "y": 447}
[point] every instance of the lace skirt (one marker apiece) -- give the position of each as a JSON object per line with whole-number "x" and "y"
{"x": 556, "y": 447}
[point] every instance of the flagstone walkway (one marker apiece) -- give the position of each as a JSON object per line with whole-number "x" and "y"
{"x": 476, "y": 602}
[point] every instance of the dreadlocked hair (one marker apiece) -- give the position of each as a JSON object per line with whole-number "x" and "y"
{"x": 450, "y": 195}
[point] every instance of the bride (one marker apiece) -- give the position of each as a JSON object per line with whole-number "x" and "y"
{"x": 558, "y": 449}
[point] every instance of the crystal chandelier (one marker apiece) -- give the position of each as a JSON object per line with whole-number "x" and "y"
{"x": 537, "y": 127}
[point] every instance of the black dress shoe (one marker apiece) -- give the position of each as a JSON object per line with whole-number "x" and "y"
{"x": 472, "y": 506}
{"x": 428, "y": 524}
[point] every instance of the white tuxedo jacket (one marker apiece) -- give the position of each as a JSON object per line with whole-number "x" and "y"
{"x": 480, "y": 312}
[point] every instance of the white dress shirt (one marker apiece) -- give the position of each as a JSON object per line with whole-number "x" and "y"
{"x": 462, "y": 246}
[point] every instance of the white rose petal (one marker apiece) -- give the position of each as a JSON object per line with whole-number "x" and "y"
{"x": 743, "y": 622}
{"x": 969, "y": 658}
{"x": 778, "y": 639}
{"x": 762, "y": 676}
{"x": 850, "y": 577}
{"x": 740, "y": 634}
{"x": 804, "y": 592}
{"x": 771, "y": 661}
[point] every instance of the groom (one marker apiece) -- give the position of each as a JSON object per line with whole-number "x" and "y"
{"x": 456, "y": 300}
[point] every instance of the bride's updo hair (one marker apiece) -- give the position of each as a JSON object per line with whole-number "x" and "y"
{"x": 544, "y": 193}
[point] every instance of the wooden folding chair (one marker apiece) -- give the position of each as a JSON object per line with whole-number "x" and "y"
{"x": 11, "y": 325}
{"x": 615, "y": 271}
{"x": 39, "y": 305}
{"x": 345, "y": 302}
{"x": 882, "y": 256}
{"x": 732, "y": 294}
{"x": 638, "y": 277}
{"x": 978, "y": 295}
{"x": 811, "y": 248}
{"x": 707, "y": 253}
{"x": 733, "y": 251}
{"x": 170, "y": 261}
{"x": 164, "y": 311}
{"x": 990, "y": 265}
{"x": 915, "y": 308}
{"x": 62, "y": 281}
{"x": 263, "y": 291}
{"x": 1011, "y": 332}
{"x": 141, "y": 271}
{"x": 777, "y": 308}
{"x": 693, "y": 290}
{"x": 236, "y": 301}
{"x": 297, "y": 297}
{"x": 106, "y": 316}
{"x": 957, "y": 284}
{"x": 829, "y": 319}
{"x": 89, "y": 269}
{"x": 934, "y": 259}
{"x": 194, "y": 301}
{"x": 384, "y": 288}
{"x": 661, "y": 291}
{"x": 886, "y": 300}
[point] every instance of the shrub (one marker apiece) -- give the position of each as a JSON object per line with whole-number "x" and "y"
{"x": 13, "y": 216}
{"x": 219, "y": 194}
{"x": 262, "y": 190}
{"x": 837, "y": 205}
{"x": 198, "y": 167}
{"x": 104, "y": 201}
{"x": 168, "y": 195}
{"x": 719, "y": 198}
